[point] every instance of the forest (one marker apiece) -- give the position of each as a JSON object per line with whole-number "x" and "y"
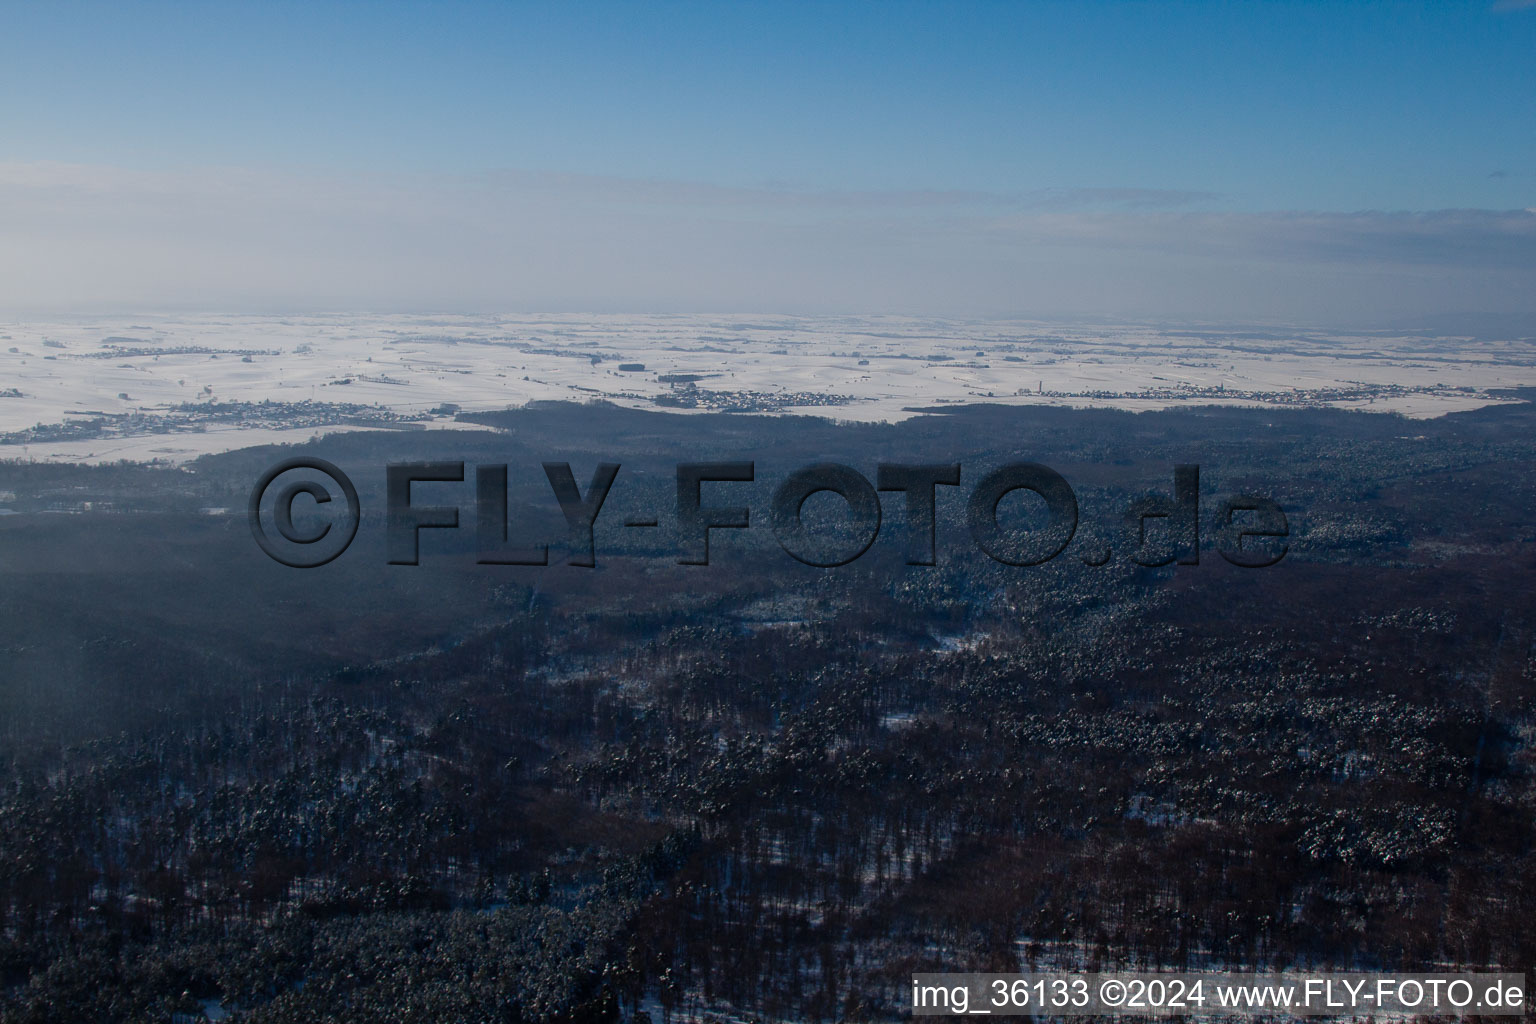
{"x": 759, "y": 790}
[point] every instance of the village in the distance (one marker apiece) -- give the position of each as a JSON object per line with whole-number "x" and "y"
{"x": 172, "y": 388}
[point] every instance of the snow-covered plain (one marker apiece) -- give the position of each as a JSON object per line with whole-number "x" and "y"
{"x": 174, "y": 387}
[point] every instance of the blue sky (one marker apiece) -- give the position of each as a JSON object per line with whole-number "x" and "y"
{"x": 949, "y": 121}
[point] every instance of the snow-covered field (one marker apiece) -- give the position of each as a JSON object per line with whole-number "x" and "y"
{"x": 177, "y": 386}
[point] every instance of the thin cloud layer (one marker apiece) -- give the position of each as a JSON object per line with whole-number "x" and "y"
{"x": 89, "y": 238}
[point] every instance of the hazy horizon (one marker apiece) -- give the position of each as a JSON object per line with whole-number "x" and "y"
{"x": 1277, "y": 162}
